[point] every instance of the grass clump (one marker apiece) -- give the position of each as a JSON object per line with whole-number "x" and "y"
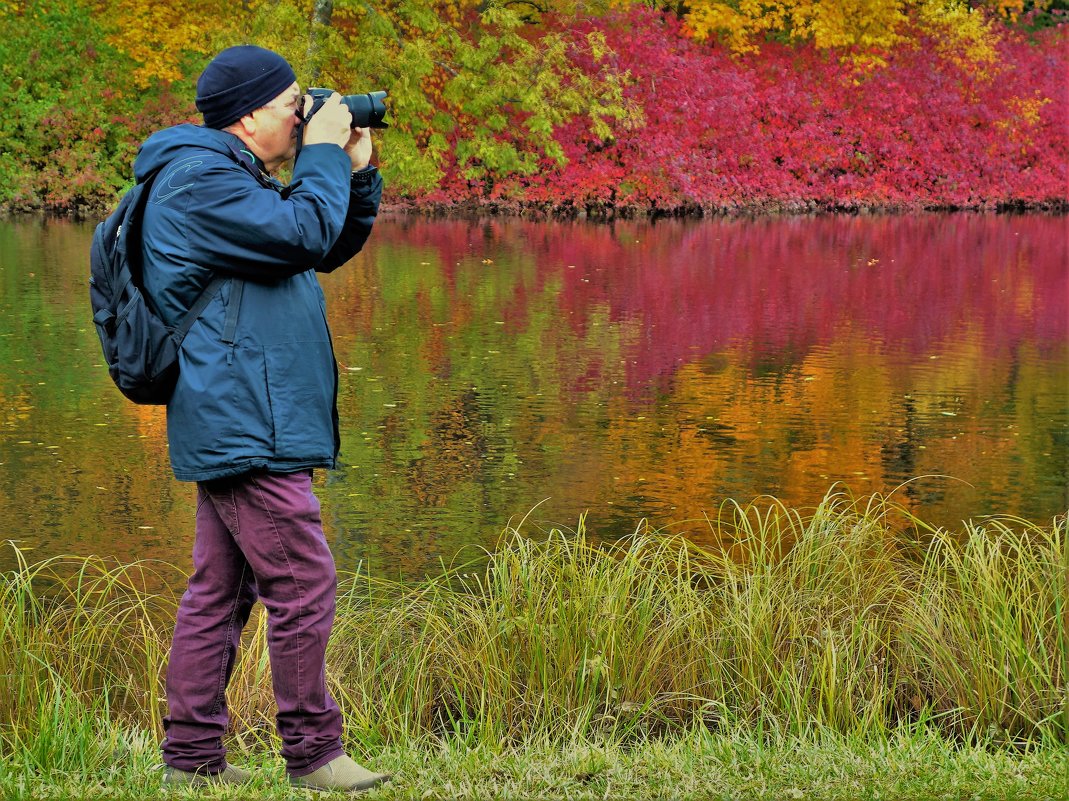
{"x": 563, "y": 667}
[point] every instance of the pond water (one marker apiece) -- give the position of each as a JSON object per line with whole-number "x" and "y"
{"x": 496, "y": 371}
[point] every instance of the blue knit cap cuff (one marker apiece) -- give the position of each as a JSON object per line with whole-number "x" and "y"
{"x": 240, "y": 80}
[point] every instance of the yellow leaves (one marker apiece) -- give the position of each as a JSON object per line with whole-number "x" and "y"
{"x": 160, "y": 35}
{"x": 1023, "y": 117}
{"x": 739, "y": 23}
{"x": 1007, "y": 9}
{"x": 598, "y": 48}
{"x": 962, "y": 33}
{"x": 1011, "y": 10}
{"x": 734, "y": 26}
{"x": 863, "y": 30}
{"x": 865, "y": 24}
{"x": 828, "y": 23}
{"x": 1026, "y": 109}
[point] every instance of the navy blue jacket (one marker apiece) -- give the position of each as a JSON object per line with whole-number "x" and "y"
{"x": 269, "y": 399}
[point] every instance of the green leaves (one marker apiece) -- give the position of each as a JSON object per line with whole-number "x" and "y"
{"x": 53, "y": 61}
{"x": 475, "y": 92}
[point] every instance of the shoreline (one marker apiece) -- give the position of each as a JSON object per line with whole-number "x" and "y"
{"x": 567, "y": 211}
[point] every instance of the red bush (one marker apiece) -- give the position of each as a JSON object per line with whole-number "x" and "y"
{"x": 794, "y": 129}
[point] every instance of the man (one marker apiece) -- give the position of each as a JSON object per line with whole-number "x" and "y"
{"x": 254, "y": 411}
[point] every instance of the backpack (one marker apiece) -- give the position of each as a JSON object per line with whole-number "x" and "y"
{"x": 140, "y": 348}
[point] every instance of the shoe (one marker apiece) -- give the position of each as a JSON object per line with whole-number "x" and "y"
{"x": 341, "y": 773}
{"x": 184, "y": 778}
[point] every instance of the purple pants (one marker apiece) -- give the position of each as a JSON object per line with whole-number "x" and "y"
{"x": 258, "y": 536}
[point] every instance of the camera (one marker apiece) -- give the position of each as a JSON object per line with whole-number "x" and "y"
{"x": 367, "y": 109}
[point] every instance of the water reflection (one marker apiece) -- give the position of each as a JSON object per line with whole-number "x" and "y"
{"x": 500, "y": 369}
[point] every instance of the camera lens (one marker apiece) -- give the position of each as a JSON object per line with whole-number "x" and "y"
{"x": 367, "y": 109}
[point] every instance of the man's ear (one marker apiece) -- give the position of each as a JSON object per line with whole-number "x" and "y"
{"x": 243, "y": 128}
{"x": 248, "y": 123}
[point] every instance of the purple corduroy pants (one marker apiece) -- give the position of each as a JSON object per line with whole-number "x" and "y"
{"x": 258, "y": 536}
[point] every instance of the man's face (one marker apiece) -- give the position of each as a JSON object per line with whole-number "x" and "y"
{"x": 276, "y": 127}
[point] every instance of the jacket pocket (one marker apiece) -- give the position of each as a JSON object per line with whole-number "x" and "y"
{"x": 300, "y": 384}
{"x": 219, "y": 415}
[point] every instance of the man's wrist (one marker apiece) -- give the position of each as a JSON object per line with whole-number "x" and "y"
{"x": 364, "y": 175}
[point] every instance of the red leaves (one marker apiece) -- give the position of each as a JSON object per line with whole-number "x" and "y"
{"x": 794, "y": 129}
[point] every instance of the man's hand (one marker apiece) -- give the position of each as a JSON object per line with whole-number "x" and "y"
{"x": 359, "y": 147}
{"x": 328, "y": 125}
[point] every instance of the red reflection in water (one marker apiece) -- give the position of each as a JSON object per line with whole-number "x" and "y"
{"x": 778, "y": 288}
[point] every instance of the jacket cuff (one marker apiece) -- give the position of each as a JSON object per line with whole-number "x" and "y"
{"x": 365, "y": 176}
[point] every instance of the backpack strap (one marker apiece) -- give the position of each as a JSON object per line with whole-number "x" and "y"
{"x": 230, "y": 325}
{"x": 203, "y": 299}
{"x": 134, "y": 223}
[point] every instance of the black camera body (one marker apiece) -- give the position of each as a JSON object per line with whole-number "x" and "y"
{"x": 367, "y": 109}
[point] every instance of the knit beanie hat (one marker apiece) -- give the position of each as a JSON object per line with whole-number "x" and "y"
{"x": 240, "y": 80}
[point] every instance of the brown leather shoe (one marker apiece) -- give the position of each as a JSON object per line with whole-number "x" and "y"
{"x": 340, "y": 773}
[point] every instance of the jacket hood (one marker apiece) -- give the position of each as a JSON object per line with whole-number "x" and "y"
{"x": 164, "y": 146}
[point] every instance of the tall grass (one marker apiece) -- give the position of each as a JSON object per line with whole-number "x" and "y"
{"x": 82, "y": 646}
{"x": 853, "y": 618}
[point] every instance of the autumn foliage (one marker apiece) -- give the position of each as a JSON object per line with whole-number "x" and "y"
{"x": 795, "y": 128}
{"x": 591, "y": 109}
